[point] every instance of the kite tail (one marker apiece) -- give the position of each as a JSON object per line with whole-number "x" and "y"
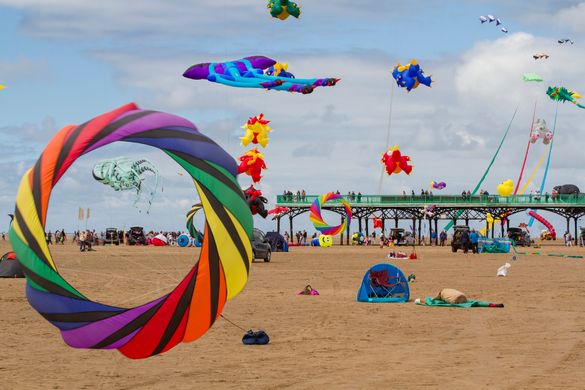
{"x": 531, "y": 221}
{"x": 459, "y": 212}
{"x": 579, "y": 105}
{"x": 527, "y": 150}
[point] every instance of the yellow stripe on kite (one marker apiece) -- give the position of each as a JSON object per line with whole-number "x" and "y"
{"x": 236, "y": 275}
{"x": 26, "y": 205}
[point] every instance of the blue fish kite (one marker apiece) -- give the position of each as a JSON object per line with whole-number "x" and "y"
{"x": 409, "y": 76}
{"x": 249, "y": 72}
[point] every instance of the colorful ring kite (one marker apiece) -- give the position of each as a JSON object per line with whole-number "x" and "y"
{"x": 188, "y": 311}
{"x": 318, "y": 221}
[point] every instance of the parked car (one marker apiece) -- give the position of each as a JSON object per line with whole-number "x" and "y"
{"x": 401, "y": 237}
{"x": 456, "y": 242}
{"x": 260, "y": 246}
{"x": 135, "y": 236}
{"x": 520, "y": 236}
{"x": 112, "y": 236}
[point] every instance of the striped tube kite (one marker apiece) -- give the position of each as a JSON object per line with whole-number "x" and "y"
{"x": 190, "y": 309}
{"x": 317, "y": 219}
{"x": 193, "y": 232}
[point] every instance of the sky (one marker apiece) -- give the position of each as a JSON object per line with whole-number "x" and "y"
{"x": 66, "y": 61}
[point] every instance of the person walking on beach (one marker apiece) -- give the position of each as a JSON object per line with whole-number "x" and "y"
{"x": 304, "y": 236}
{"x": 82, "y": 241}
{"x": 49, "y": 238}
{"x": 474, "y": 238}
{"x": 443, "y": 238}
{"x": 568, "y": 239}
{"x": 464, "y": 239}
{"x": 89, "y": 240}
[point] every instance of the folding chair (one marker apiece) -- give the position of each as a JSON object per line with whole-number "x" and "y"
{"x": 382, "y": 287}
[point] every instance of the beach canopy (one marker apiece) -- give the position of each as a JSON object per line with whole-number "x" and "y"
{"x": 10, "y": 267}
{"x": 384, "y": 283}
{"x": 277, "y": 242}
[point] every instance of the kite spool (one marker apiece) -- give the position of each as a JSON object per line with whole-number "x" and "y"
{"x": 190, "y": 309}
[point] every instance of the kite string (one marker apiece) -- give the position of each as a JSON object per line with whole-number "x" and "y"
{"x": 387, "y": 135}
{"x": 460, "y": 211}
{"x": 527, "y": 150}
{"x": 234, "y": 324}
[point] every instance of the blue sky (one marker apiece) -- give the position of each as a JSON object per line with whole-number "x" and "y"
{"x": 66, "y": 61}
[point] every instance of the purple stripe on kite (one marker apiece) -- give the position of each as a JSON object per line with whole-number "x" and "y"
{"x": 149, "y": 122}
{"x": 48, "y": 303}
{"x": 260, "y": 62}
{"x": 200, "y": 150}
{"x": 90, "y": 335}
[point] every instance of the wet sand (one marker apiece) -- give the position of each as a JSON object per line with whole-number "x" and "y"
{"x": 329, "y": 341}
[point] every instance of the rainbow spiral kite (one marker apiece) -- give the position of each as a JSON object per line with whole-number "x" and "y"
{"x": 318, "y": 221}
{"x": 188, "y": 311}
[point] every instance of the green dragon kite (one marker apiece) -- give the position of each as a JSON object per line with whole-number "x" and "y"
{"x": 562, "y": 94}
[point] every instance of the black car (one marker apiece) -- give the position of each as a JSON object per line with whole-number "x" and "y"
{"x": 401, "y": 237}
{"x": 456, "y": 242}
{"x": 520, "y": 237}
{"x": 112, "y": 236}
{"x": 135, "y": 236}
{"x": 260, "y": 246}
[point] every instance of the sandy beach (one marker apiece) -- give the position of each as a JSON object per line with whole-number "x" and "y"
{"x": 330, "y": 341}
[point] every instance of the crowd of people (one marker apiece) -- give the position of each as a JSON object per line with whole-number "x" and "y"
{"x": 289, "y": 196}
{"x": 60, "y": 237}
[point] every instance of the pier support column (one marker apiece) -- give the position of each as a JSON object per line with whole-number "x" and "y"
{"x": 436, "y": 232}
{"x": 368, "y": 226}
{"x": 278, "y": 225}
{"x": 414, "y": 229}
{"x": 430, "y": 232}
{"x": 290, "y": 220}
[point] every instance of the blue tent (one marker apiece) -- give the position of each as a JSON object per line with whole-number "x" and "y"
{"x": 277, "y": 242}
{"x": 384, "y": 283}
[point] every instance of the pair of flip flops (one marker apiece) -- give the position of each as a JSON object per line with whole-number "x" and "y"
{"x": 255, "y": 338}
